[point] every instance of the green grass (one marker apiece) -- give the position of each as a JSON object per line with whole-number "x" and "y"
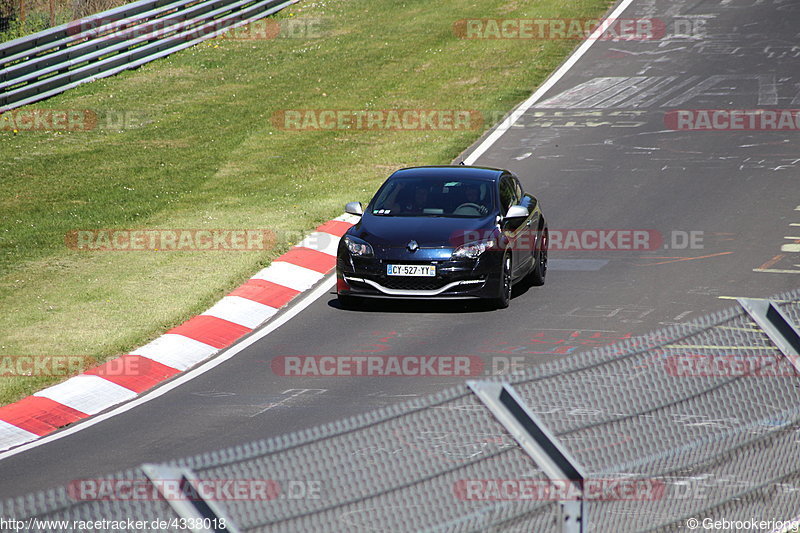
{"x": 202, "y": 153}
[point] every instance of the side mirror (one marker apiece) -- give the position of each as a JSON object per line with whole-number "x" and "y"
{"x": 354, "y": 208}
{"x": 517, "y": 211}
{"x": 515, "y": 217}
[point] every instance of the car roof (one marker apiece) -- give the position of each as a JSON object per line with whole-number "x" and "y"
{"x": 450, "y": 171}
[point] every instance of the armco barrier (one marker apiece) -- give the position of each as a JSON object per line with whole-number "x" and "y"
{"x": 50, "y": 62}
{"x": 659, "y": 449}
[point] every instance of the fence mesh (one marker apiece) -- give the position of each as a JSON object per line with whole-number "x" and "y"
{"x": 669, "y": 437}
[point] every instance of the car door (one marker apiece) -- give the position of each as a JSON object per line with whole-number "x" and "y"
{"x": 514, "y": 230}
{"x": 531, "y": 234}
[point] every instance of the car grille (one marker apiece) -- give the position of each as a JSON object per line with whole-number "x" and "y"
{"x": 413, "y": 283}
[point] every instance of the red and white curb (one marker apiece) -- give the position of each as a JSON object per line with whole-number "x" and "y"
{"x": 237, "y": 314}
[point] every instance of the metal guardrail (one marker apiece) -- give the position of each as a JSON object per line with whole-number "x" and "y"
{"x": 50, "y": 62}
{"x": 709, "y": 446}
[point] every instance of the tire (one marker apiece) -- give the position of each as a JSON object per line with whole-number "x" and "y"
{"x": 506, "y": 282}
{"x": 539, "y": 271}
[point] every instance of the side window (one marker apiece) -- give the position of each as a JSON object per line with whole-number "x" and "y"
{"x": 507, "y": 193}
{"x": 518, "y": 188}
{"x": 528, "y": 201}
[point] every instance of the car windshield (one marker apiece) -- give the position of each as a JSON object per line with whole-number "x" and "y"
{"x": 417, "y": 197}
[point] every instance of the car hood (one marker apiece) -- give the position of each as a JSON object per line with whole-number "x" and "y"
{"x": 429, "y": 232}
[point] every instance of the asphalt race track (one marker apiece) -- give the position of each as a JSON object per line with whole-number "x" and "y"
{"x": 599, "y": 153}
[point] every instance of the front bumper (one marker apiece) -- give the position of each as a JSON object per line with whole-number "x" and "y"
{"x": 461, "y": 278}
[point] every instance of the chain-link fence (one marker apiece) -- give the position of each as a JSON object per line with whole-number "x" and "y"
{"x": 692, "y": 424}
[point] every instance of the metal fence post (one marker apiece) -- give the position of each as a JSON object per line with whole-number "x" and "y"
{"x": 776, "y": 325}
{"x": 538, "y": 442}
{"x": 190, "y": 503}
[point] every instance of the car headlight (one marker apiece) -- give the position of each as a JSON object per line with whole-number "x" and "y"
{"x": 358, "y": 247}
{"x": 473, "y": 250}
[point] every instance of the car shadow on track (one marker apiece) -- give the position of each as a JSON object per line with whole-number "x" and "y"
{"x": 388, "y": 305}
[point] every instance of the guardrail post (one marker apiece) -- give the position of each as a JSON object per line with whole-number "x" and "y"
{"x": 776, "y": 325}
{"x": 538, "y": 442}
{"x": 189, "y": 503}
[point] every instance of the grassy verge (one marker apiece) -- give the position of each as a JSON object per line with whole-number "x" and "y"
{"x": 196, "y": 149}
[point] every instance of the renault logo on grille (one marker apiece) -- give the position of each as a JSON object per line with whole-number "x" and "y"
{"x": 412, "y": 246}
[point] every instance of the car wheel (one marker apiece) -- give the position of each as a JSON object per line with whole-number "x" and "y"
{"x": 505, "y": 284}
{"x": 540, "y": 268}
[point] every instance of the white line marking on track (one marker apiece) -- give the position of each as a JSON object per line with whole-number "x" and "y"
{"x": 749, "y": 298}
{"x": 776, "y": 270}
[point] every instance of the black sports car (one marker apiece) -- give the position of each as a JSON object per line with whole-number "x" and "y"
{"x": 443, "y": 232}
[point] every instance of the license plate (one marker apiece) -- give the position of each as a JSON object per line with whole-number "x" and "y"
{"x": 411, "y": 270}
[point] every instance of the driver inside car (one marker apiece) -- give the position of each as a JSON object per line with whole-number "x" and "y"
{"x": 472, "y": 201}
